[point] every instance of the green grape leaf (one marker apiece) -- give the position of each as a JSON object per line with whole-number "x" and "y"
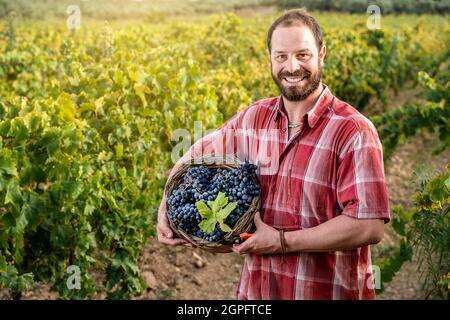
{"x": 224, "y": 227}
{"x": 7, "y": 166}
{"x": 13, "y": 194}
{"x": 208, "y": 225}
{"x": 204, "y": 210}
{"x": 447, "y": 183}
{"x": 2, "y": 264}
{"x": 217, "y": 212}
{"x": 220, "y": 201}
{"x": 225, "y": 212}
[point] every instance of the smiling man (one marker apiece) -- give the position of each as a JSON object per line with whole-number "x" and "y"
{"x": 326, "y": 201}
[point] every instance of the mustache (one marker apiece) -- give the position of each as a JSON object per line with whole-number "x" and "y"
{"x": 298, "y": 73}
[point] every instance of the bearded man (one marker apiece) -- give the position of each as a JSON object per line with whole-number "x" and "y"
{"x": 325, "y": 201}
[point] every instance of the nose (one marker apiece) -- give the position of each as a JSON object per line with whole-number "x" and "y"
{"x": 292, "y": 64}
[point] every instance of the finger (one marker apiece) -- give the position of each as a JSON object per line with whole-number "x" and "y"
{"x": 165, "y": 235}
{"x": 172, "y": 242}
{"x": 243, "y": 247}
{"x": 165, "y": 231}
{"x": 257, "y": 220}
{"x": 235, "y": 249}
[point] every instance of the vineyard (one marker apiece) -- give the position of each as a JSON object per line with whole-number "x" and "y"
{"x": 88, "y": 120}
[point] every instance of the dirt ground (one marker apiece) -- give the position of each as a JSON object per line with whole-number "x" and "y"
{"x": 188, "y": 273}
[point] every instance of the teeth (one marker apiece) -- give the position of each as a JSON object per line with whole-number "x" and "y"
{"x": 293, "y": 79}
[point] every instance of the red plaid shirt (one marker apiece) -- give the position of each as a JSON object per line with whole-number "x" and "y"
{"x": 333, "y": 165}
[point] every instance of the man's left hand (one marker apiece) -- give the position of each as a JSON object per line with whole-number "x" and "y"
{"x": 265, "y": 240}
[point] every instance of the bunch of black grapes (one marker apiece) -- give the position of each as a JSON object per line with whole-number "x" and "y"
{"x": 203, "y": 184}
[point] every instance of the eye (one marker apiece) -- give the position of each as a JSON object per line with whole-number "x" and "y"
{"x": 303, "y": 56}
{"x": 280, "y": 57}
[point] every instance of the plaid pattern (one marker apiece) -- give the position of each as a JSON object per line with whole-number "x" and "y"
{"x": 332, "y": 166}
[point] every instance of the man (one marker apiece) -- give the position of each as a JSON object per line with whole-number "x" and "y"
{"x": 325, "y": 201}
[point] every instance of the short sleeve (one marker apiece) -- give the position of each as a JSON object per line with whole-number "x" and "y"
{"x": 222, "y": 141}
{"x": 361, "y": 188}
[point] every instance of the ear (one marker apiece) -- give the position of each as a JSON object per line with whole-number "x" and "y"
{"x": 322, "y": 53}
{"x": 268, "y": 54}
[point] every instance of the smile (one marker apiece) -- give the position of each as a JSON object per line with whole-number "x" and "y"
{"x": 294, "y": 79}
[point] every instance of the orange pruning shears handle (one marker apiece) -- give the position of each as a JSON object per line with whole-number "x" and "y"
{"x": 245, "y": 235}
{"x": 242, "y": 237}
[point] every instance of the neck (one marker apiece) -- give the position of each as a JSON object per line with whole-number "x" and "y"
{"x": 295, "y": 110}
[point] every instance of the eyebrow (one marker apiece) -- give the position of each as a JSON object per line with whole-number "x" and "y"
{"x": 298, "y": 51}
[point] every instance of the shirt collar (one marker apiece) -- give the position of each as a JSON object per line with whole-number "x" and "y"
{"x": 316, "y": 111}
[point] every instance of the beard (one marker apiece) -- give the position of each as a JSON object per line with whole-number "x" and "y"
{"x": 299, "y": 91}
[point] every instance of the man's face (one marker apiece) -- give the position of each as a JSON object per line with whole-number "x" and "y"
{"x": 296, "y": 62}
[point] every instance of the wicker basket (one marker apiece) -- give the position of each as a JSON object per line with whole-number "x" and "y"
{"x": 245, "y": 222}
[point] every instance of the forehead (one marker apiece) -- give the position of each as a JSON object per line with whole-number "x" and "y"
{"x": 293, "y": 38}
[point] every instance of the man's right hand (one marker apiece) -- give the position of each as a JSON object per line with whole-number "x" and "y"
{"x": 163, "y": 230}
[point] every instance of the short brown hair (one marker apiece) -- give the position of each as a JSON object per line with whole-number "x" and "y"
{"x": 296, "y": 17}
